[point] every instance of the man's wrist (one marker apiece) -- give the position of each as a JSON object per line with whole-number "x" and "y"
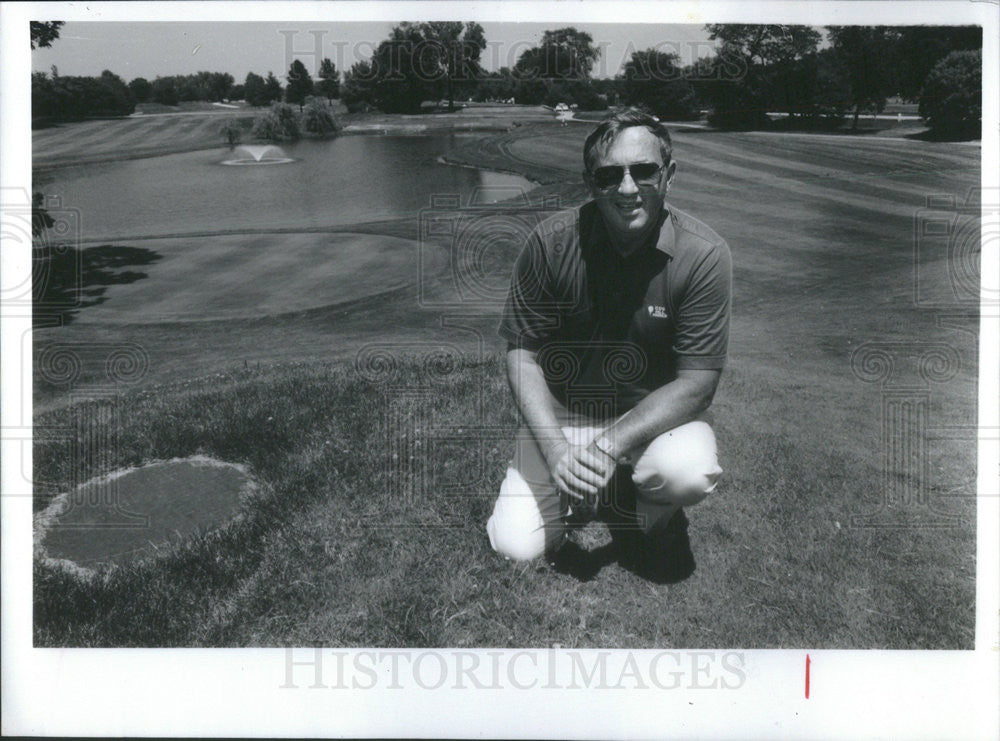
{"x": 553, "y": 450}
{"x": 606, "y": 445}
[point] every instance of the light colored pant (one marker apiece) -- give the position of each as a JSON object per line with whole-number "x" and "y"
{"x": 677, "y": 469}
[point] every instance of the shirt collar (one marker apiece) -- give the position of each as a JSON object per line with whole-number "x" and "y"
{"x": 666, "y": 239}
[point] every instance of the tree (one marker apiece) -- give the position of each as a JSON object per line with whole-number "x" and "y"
{"x": 400, "y": 85}
{"x": 141, "y": 89}
{"x": 920, "y": 48}
{"x": 531, "y": 91}
{"x": 164, "y": 91}
{"x": 318, "y": 119}
{"x": 563, "y": 54}
{"x": 280, "y": 123}
{"x": 272, "y": 88}
{"x": 300, "y": 84}
{"x": 329, "y": 80}
{"x": 418, "y": 61}
{"x": 255, "y": 90}
{"x": 867, "y": 54}
{"x": 450, "y": 52}
{"x": 66, "y": 98}
{"x": 116, "y": 95}
{"x": 756, "y": 70}
{"x": 952, "y": 98}
{"x": 44, "y": 33}
{"x": 231, "y": 132}
{"x": 219, "y": 85}
{"x": 359, "y": 86}
{"x": 654, "y": 80}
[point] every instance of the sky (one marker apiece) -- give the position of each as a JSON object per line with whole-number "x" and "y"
{"x": 150, "y": 49}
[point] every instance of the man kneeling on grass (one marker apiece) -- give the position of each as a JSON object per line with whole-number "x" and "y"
{"x": 617, "y": 321}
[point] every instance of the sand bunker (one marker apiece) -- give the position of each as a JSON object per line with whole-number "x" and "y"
{"x": 129, "y": 514}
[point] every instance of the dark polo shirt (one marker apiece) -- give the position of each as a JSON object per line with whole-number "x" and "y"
{"x": 609, "y": 329}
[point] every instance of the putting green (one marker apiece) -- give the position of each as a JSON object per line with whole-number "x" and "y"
{"x": 254, "y": 275}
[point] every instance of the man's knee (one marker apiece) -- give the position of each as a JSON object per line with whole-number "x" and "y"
{"x": 516, "y": 528}
{"x": 679, "y": 467}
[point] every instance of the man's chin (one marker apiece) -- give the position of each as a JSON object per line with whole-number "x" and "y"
{"x": 632, "y": 228}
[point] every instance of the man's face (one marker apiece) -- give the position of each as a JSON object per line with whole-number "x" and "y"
{"x": 630, "y": 207}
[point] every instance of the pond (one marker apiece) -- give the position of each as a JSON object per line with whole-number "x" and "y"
{"x": 347, "y": 180}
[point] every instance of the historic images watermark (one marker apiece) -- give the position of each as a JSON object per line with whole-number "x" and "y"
{"x": 49, "y": 232}
{"x": 93, "y": 375}
{"x": 948, "y": 240}
{"x": 947, "y": 244}
{"x": 462, "y": 247}
{"x": 465, "y": 253}
{"x": 419, "y": 59}
{"x": 548, "y": 669}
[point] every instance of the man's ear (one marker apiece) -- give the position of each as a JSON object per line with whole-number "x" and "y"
{"x": 671, "y": 171}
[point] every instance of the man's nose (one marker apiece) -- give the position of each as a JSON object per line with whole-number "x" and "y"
{"x": 628, "y": 186}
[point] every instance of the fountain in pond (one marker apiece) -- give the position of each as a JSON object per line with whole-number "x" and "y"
{"x": 258, "y": 154}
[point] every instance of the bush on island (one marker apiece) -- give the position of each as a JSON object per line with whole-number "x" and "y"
{"x": 318, "y": 118}
{"x": 280, "y": 123}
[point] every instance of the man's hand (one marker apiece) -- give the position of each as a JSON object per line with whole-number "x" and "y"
{"x": 580, "y": 471}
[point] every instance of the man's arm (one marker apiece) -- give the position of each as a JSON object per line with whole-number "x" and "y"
{"x": 669, "y": 406}
{"x": 578, "y": 470}
{"x": 700, "y": 343}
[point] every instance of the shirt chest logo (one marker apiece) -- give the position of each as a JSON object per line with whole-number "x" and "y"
{"x": 657, "y": 312}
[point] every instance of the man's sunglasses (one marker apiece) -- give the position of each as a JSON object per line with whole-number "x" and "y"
{"x": 643, "y": 173}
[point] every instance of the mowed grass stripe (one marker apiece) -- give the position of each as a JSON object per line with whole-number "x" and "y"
{"x": 77, "y": 139}
{"x": 765, "y": 188}
{"x": 162, "y": 130}
{"x": 707, "y": 153}
{"x": 953, "y": 175}
{"x": 201, "y": 128}
{"x": 880, "y": 156}
{"x": 263, "y": 271}
{"x": 108, "y": 139}
{"x": 111, "y": 137}
{"x": 112, "y": 134}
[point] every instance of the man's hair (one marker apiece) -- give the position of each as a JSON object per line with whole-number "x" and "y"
{"x": 602, "y": 137}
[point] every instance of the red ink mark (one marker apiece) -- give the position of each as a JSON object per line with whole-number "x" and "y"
{"x": 808, "y": 662}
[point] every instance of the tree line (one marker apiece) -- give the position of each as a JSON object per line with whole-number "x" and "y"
{"x": 756, "y": 70}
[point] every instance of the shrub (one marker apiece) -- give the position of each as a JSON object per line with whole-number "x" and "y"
{"x": 952, "y": 97}
{"x": 267, "y": 126}
{"x": 280, "y": 123}
{"x": 319, "y": 119}
{"x": 231, "y": 132}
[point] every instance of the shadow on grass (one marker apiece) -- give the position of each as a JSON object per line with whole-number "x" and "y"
{"x": 663, "y": 556}
{"x": 66, "y": 279}
{"x": 930, "y": 135}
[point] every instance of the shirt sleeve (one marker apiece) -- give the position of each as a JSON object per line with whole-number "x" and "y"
{"x": 702, "y": 337}
{"x": 530, "y": 314}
